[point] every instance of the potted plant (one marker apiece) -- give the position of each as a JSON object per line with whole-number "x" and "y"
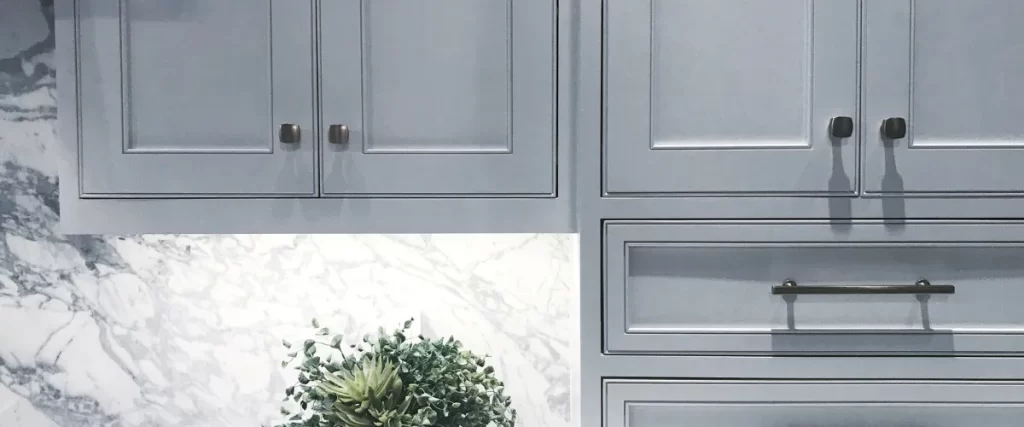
{"x": 392, "y": 381}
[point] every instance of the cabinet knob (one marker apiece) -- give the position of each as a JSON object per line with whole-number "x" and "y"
{"x": 290, "y": 133}
{"x": 337, "y": 134}
{"x": 841, "y": 127}
{"x": 894, "y": 128}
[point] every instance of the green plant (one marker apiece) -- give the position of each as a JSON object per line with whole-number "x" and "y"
{"x": 393, "y": 382}
{"x": 370, "y": 394}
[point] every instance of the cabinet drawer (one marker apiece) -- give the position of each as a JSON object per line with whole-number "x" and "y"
{"x": 708, "y": 288}
{"x": 820, "y": 404}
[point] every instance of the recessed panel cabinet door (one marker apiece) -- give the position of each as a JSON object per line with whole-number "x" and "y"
{"x": 438, "y": 98}
{"x": 947, "y": 75}
{"x": 730, "y": 97}
{"x": 650, "y": 403}
{"x": 186, "y": 98}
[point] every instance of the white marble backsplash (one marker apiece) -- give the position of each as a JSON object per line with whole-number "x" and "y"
{"x": 168, "y": 330}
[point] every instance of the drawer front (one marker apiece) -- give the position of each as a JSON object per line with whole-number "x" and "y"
{"x": 707, "y": 288}
{"x": 806, "y": 404}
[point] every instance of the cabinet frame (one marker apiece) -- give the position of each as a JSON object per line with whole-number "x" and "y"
{"x": 594, "y": 207}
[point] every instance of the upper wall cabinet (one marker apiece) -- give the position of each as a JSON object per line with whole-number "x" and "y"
{"x": 730, "y": 97}
{"x": 946, "y": 76}
{"x": 188, "y": 98}
{"x": 341, "y": 116}
{"x": 451, "y": 98}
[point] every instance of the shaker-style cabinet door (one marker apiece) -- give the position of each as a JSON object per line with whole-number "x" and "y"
{"x": 442, "y": 98}
{"x": 943, "y": 97}
{"x": 196, "y": 98}
{"x": 706, "y": 97}
{"x": 676, "y": 403}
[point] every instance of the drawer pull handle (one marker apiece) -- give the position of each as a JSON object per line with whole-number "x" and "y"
{"x": 789, "y": 287}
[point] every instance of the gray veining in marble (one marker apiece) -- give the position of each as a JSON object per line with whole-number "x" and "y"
{"x": 167, "y": 330}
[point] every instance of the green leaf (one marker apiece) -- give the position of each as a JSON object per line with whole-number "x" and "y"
{"x": 336, "y": 341}
{"x": 286, "y": 343}
{"x": 408, "y": 324}
{"x": 323, "y": 331}
{"x": 316, "y": 323}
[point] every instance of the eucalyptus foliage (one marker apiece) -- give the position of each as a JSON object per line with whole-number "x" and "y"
{"x": 393, "y": 381}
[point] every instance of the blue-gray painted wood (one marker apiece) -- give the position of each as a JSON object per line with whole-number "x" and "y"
{"x": 705, "y": 96}
{"x": 452, "y": 98}
{"x": 952, "y": 69}
{"x": 700, "y": 287}
{"x": 777, "y": 404}
{"x": 277, "y": 213}
{"x": 895, "y": 215}
{"x": 185, "y": 98}
{"x": 322, "y": 215}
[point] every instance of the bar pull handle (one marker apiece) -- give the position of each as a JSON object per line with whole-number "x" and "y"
{"x": 921, "y": 287}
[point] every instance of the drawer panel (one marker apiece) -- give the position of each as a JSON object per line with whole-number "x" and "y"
{"x": 818, "y": 404}
{"x": 707, "y": 288}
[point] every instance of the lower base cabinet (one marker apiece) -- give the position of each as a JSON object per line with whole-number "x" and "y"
{"x": 636, "y": 403}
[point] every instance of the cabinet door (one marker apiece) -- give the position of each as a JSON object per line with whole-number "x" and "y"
{"x": 642, "y": 403}
{"x": 952, "y": 70}
{"x": 185, "y": 98}
{"x": 440, "y": 98}
{"x": 712, "y": 96}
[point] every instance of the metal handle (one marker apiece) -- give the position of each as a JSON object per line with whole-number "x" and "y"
{"x": 789, "y": 287}
{"x": 841, "y": 127}
{"x": 290, "y": 133}
{"x": 337, "y": 134}
{"x": 894, "y": 127}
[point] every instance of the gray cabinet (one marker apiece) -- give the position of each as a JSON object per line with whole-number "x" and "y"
{"x": 186, "y": 98}
{"x": 727, "y": 231}
{"x": 340, "y": 116}
{"x": 736, "y": 97}
{"x": 677, "y": 287}
{"x": 451, "y": 98}
{"x": 811, "y": 403}
{"x": 952, "y": 70}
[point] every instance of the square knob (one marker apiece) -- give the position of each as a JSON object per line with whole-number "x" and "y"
{"x": 841, "y": 127}
{"x": 290, "y": 133}
{"x": 894, "y": 128}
